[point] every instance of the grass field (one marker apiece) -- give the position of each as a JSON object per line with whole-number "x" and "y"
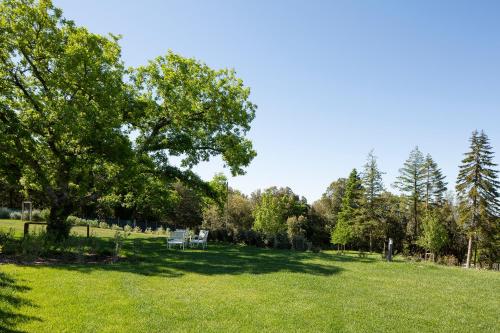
{"x": 239, "y": 289}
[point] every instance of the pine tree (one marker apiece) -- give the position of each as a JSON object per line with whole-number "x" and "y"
{"x": 372, "y": 179}
{"x": 435, "y": 186}
{"x": 411, "y": 182}
{"x": 478, "y": 189}
{"x": 373, "y": 187}
{"x": 344, "y": 231}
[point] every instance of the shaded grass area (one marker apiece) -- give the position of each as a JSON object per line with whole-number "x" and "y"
{"x": 246, "y": 289}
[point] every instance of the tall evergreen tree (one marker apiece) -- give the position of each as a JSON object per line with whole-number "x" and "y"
{"x": 372, "y": 179}
{"x": 478, "y": 189}
{"x": 435, "y": 185}
{"x": 373, "y": 188}
{"x": 411, "y": 182}
{"x": 343, "y": 231}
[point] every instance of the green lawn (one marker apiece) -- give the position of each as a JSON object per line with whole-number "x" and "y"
{"x": 235, "y": 289}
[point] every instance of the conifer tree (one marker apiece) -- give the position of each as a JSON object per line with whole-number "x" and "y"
{"x": 478, "y": 189}
{"x": 343, "y": 231}
{"x": 435, "y": 185}
{"x": 411, "y": 182}
{"x": 372, "y": 179}
{"x": 373, "y": 187}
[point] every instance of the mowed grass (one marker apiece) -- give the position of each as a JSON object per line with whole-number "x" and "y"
{"x": 245, "y": 289}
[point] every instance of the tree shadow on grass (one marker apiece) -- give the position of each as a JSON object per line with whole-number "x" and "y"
{"x": 10, "y": 302}
{"x": 150, "y": 257}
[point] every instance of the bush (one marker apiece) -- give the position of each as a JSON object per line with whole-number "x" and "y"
{"x": 93, "y": 223}
{"x": 116, "y": 227}
{"x": 45, "y": 214}
{"x": 15, "y": 215}
{"x": 137, "y": 229}
{"x": 127, "y": 228}
{"x": 5, "y": 213}
{"x": 148, "y": 231}
{"x": 7, "y": 242}
{"x": 36, "y": 215}
{"x": 250, "y": 237}
{"x": 296, "y": 232}
{"x": 103, "y": 225}
{"x": 118, "y": 239}
{"x": 449, "y": 260}
{"x": 160, "y": 231}
{"x": 33, "y": 245}
{"x": 72, "y": 219}
{"x": 80, "y": 222}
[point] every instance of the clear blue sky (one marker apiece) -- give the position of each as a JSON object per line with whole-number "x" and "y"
{"x": 332, "y": 79}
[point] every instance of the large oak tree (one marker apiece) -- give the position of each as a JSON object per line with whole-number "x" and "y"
{"x": 69, "y": 110}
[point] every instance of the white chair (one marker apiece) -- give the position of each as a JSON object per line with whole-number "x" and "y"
{"x": 178, "y": 237}
{"x": 201, "y": 239}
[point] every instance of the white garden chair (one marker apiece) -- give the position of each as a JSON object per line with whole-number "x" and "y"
{"x": 201, "y": 239}
{"x": 178, "y": 237}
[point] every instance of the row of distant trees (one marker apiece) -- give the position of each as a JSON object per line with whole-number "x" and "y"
{"x": 427, "y": 215}
{"x": 357, "y": 212}
{"x": 360, "y": 213}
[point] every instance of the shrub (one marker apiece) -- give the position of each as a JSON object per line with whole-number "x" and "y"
{"x": 72, "y": 219}
{"x": 296, "y": 233}
{"x": 118, "y": 239}
{"x": 15, "y": 215}
{"x": 250, "y": 237}
{"x": 7, "y": 242}
{"x": 103, "y": 225}
{"x": 137, "y": 229}
{"x": 5, "y": 213}
{"x": 160, "y": 231}
{"x": 36, "y": 215}
{"x": 148, "y": 231}
{"x": 116, "y": 227}
{"x": 93, "y": 223}
{"x": 33, "y": 245}
{"x": 127, "y": 228}
{"x": 449, "y": 260}
{"x": 80, "y": 221}
{"x": 45, "y": 214}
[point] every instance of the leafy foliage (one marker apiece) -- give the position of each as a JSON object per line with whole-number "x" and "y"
{"x": 67, "y": 100}
{"x": 434, "y": 236}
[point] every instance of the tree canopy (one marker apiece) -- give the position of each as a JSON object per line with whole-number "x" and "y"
{"x": 68, "y": 106}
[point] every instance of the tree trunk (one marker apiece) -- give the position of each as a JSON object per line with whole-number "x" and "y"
{"x": 370, "y": 242}
{"x": 416, "y": 218}
{"x": 469, "y": 252}
{"x": 475, "y": 251}
{"x": 11, "y": 198}
{"x": 57, "y": 227}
